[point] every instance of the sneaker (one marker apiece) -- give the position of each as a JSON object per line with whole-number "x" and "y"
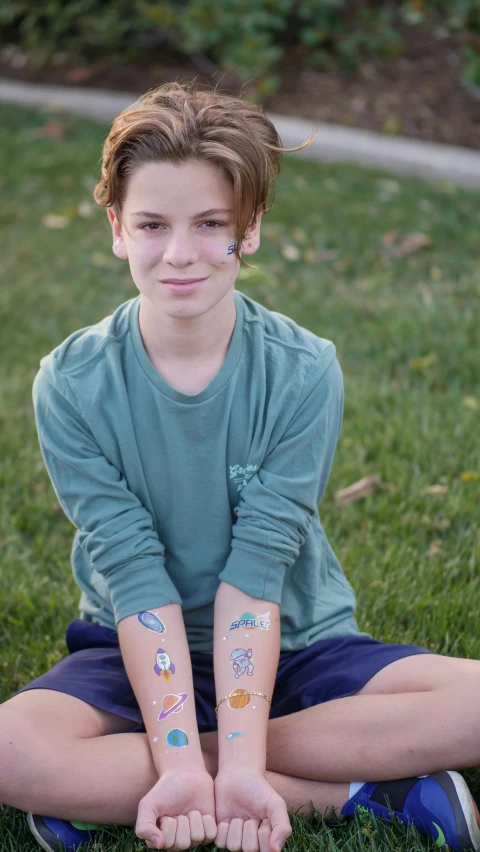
{"x": 56, "y": 835}
{"x": 440, "y": 805}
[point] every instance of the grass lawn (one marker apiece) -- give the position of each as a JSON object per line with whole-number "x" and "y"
{"x": 406, "y": 327}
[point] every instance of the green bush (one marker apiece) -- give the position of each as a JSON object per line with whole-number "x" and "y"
{"x": 249, "y": 37}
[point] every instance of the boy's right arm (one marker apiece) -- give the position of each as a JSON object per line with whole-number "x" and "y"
{"x": 118, "y": 534}
{"x": 157, "y": 661}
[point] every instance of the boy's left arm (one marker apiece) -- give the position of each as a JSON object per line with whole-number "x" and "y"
{"x": 246, "y": 654}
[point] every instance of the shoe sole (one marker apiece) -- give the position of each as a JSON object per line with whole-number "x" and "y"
{"x": 468, "y": 807}
{"x": 43, "y": 843}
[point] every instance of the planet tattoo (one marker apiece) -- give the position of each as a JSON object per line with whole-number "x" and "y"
{"x": 152, "y": 621}
{"x": 177, "y": 738}
{"x": 163, "y": 665}
{"x": 238, "y": 699}
{"x": 172, "y": 703}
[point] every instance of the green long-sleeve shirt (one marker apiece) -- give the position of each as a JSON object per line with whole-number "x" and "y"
{"x": 172, "y": 492}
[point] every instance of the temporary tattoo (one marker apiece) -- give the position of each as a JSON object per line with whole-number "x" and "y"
{"x": 172, "y": 704}
{"x": 154, "y": 702}
{"x": 163, "y": 665}
{"x": 248, "y": 620}
{"x": 231, "y": 248}
{"x": 155, "y": 739}
{"x": 241, "y": 661}
{"x": 234, "y": 734}
{"x": 238, "y": 699}
{"x": 152, "y": 621}
{"x": 177, "y": 738}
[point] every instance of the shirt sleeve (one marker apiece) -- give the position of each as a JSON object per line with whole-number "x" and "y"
{"x": 116, "y": 530}
{"x": 278, "y": 503}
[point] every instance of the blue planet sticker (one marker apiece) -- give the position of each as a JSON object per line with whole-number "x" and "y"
{"x": 177, "y": 738}
{"x": 152, "y": 621}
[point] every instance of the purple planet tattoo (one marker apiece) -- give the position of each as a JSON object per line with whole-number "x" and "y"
{"x": 172, "y": 704}
{"x": 152, "y": 621}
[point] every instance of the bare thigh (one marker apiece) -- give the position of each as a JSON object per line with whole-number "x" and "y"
{"x": 423, "y": 673}
{"x": 60, "y": 715}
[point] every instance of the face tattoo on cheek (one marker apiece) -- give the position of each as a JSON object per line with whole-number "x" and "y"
{"x": 231, "y": 248}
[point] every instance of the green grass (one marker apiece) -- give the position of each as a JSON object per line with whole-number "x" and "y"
{"x": 406, "y": 330}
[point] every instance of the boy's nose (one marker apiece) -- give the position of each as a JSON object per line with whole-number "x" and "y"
{"x": 180, "y": 249}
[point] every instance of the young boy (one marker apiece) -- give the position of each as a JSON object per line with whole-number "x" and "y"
{"x": 189, "y": 438}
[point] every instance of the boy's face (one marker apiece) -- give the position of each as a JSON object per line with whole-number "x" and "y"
{"x": 167, "y": 237}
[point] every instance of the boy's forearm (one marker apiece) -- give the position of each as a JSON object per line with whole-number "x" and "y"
{"x": 246, "y": 654}
{"x": 157, "y": 661}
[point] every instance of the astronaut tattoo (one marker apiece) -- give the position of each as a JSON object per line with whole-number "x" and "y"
{"x": 241, "y": 661}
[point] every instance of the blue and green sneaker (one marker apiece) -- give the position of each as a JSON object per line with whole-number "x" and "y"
{"x": 55, "y": 835}
{"x": 440, "y": 805}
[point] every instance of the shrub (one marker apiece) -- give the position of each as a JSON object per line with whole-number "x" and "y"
{"x": 249, "y": 37}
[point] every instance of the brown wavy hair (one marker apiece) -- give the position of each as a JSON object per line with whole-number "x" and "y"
{"x": 177, "y": 122}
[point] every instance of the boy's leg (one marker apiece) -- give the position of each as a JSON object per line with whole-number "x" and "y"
{"x": 417, "y": 715}
{"x": 64, "y": 758}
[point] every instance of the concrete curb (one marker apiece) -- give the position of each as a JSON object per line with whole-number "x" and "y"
{"x": 333, "y": 143}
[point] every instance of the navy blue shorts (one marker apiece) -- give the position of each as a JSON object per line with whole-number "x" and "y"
{"x": 331, "y": 668}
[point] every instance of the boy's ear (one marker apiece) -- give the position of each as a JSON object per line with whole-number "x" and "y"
{"x": 119, "y": 248}
{"x": 251, "y": 241}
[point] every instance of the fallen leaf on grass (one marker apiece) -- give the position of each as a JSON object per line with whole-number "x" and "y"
{"x": 423, "y": 362}
{"x": 359, "y": 489}
{"x": 436, "y": 489}
{"x": 411, "y": 243}
{"x": 85, "y": 209}
{"x": 470, "y": 476}
{"x": 53, "y": 220}
{"x": 435, "y": 548}
{"x": 52, "y": 129}
{"x": 312, "y": 256}
{"x": 389, "y": 238}
{"x": 290, "y": 252}
{"x": 299, "y": 235}
{"x": 471, "y": 402}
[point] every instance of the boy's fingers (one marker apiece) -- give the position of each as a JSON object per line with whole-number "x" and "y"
{"x": 221, "y": 835}
{"x": 182, "y": 837}
{"x": 264, "y": 834}
{"x": 281, "y": 828}
{"x": 146, "y": 826}
{"x": 210, "y": 828}
{"x": 169, "y": 828}
{"x": 234, "y": 838}
{"x": 197, "y": 830}
{"x": 250, "y": 836}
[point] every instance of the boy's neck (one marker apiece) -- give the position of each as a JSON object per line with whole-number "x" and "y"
{"x": 201, "y": 339}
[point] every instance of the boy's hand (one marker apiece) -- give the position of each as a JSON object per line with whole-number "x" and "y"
{"x": 251, "y": 816}
{"x": 178, "y": 812}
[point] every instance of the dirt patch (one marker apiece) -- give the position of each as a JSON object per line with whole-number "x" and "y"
{"x": 419, "y": 94}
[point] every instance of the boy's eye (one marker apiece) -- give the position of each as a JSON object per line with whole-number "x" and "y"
{"x": 150, "y": 226}
{"x": 154, "y": 226}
